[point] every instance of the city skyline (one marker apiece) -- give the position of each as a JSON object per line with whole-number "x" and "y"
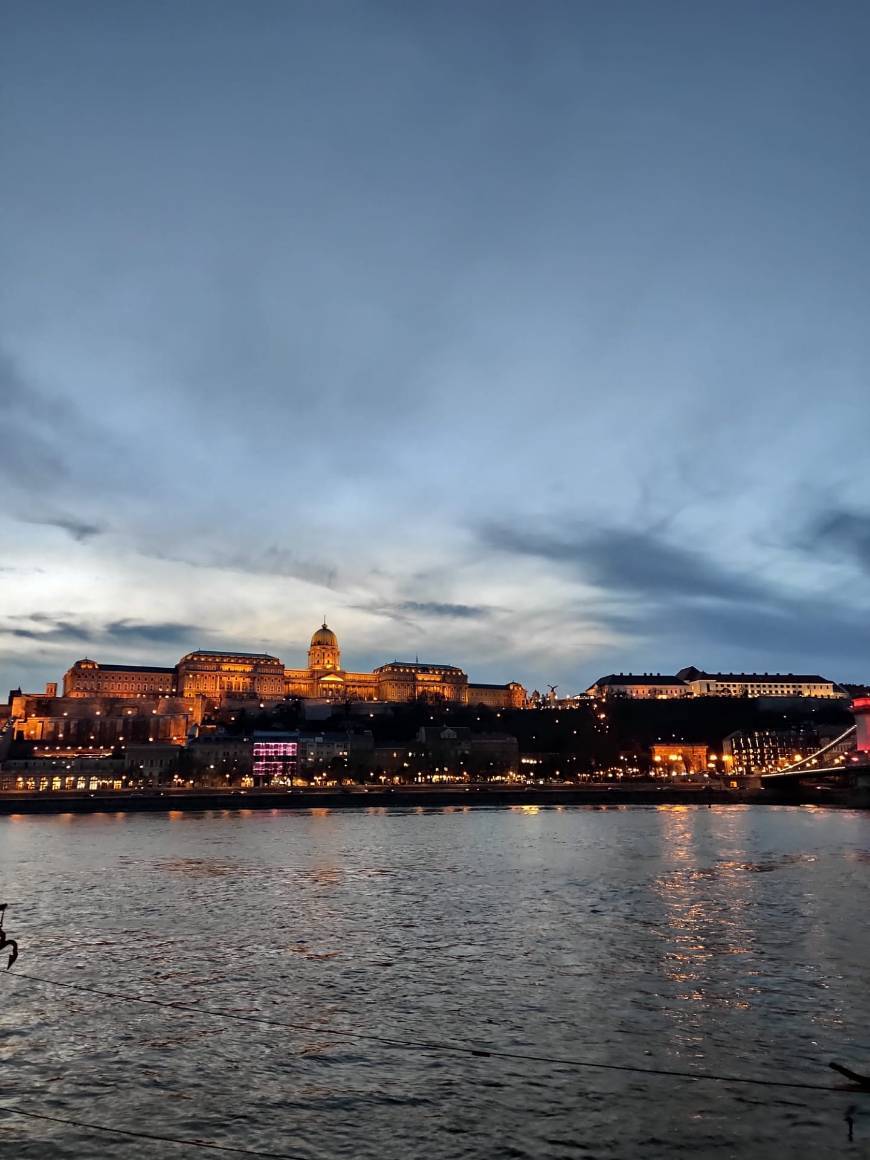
{"x": 532, "y": 341}
{"x": 646, "y": 676}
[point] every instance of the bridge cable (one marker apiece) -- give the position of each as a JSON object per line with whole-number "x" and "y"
{"x": 439, "y": 1046}
{"x": 811, "y": 756}
{"x": 206, "y": 1145}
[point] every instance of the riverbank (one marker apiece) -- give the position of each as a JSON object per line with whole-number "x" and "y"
{"x": 138, "y": 801}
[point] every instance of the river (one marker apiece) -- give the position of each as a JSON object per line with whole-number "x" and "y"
{"x": 731, "y": 940}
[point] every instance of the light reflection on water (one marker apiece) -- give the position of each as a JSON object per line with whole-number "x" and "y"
{"x": 725, "y": 939}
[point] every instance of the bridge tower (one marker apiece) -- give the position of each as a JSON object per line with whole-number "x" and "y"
{"x": 861, "y": 709}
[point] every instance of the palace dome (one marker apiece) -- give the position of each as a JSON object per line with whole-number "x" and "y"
{"x": 325, "y": 637}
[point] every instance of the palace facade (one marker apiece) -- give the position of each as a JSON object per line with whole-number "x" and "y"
{"x": 221, "y": 679}
{"x": 692, "y": 682}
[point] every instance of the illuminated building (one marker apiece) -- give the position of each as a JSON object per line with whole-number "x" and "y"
{"x": 771, "y": 749}
{"x": 87, "y": 678}
{"x": 412, "y": 681}
{"x": 220, "y": 679}
{"x": 275, "y": 758}
{"x": 680, "y": 757}
{"x": 703, "y": 684}
{"x": 692, "y": 682}
{"x": 861, "y": 709}
{"x": 226, "y": 676}
{"x": 325, "y": 679}
{"x": 82, "y": 723}
{"x": 509, "y": 696}
{"x": 638, "y": 685}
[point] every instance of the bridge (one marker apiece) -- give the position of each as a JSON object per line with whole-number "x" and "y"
{"x": 818, "y": 764}
{"x": 833, "y": 757}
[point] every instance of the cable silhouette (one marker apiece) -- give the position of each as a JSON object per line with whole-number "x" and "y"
{"x": 206, "y": 1145}
{"x": 440, "y": 1046}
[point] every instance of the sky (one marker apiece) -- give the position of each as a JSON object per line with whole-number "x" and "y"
{"x": 528, "y": 337}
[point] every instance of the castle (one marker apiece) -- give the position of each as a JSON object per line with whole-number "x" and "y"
{"x": 222, "y": 679}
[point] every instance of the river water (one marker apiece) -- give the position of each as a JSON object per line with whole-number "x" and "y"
{"x": 731, "y": 940}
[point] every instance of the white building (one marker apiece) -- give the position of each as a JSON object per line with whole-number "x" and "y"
{"x": 702, "y": 684}
{"x": 639, "y": 685}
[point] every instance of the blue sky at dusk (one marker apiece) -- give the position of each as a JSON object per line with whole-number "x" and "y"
{"x": 529, "y": 337}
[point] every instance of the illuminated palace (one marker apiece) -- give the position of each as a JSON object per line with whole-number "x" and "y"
{"x": 225, "y": 678}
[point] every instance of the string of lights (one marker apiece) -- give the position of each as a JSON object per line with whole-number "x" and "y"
{"x": 440, "y": 1046}
{"x": 205, "y": 1145}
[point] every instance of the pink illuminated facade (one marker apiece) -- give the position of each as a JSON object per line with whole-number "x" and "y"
{"x": 276, "y": 756}
{"x": 861, "y": 709}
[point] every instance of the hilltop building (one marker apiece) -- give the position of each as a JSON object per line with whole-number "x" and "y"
{"x": 636, "y": 685}
{"x": 211, "y": 674}
{"x": 692, "y": 682}
{"x": 222, "y": 679}
{"x": 704, "y": 684}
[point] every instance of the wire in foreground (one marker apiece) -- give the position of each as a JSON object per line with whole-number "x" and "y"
{"x": 206, "y": 1145}
{"x": 439, "y": 1046}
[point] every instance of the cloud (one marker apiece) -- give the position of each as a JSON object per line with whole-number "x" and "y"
{"x": 165, "y": 632}
{"x": 49, "y": 446}
{"x": 409, "y": 612}
{"x": 272, "y": 561}
{"x": 683, "y": 603}
{"x": 30, "y": 460}
{"x": 80, "y": 530}
{"x": 48, "y": 629}
{"x": 636, "y": 562}
{"x": 448, "y": 611}
{"x": 777, "y": 630}
{"x": 843, "y": 533}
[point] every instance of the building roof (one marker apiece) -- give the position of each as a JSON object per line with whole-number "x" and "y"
{"x": 136, "y": 669}
{"x": 638, "y": 679}
{"x": 224, "y": 652}
{"x": 324, "y": 636}
{"x": 418, "y": 666}
{"x": 755, "y": 678}
{"x": 88, "y": 663}
{"x": 485, "y": 685}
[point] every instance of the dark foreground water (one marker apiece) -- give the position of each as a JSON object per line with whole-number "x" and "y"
{"x": 731, "y": 939}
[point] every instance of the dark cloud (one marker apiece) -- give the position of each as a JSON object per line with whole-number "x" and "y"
{"x": 49, "y": 445}
{"x": 80, "y": 530}
{"x": 408, "y": 612}
{"x": 48, "y": 629}
{"x": 691, "y": 609}
{"x": 844, "y": 533}
{"x": 167, "y": 632}
{"x": 272, "y": 561}
{"x": 636, "y": 562}
{"x": 31, "y": 459}
{"x": 439, "y": 609}
{"x": 788, "y": 633}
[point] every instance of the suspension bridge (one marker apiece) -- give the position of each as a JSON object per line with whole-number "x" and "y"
{"x": 848, "y": 754}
